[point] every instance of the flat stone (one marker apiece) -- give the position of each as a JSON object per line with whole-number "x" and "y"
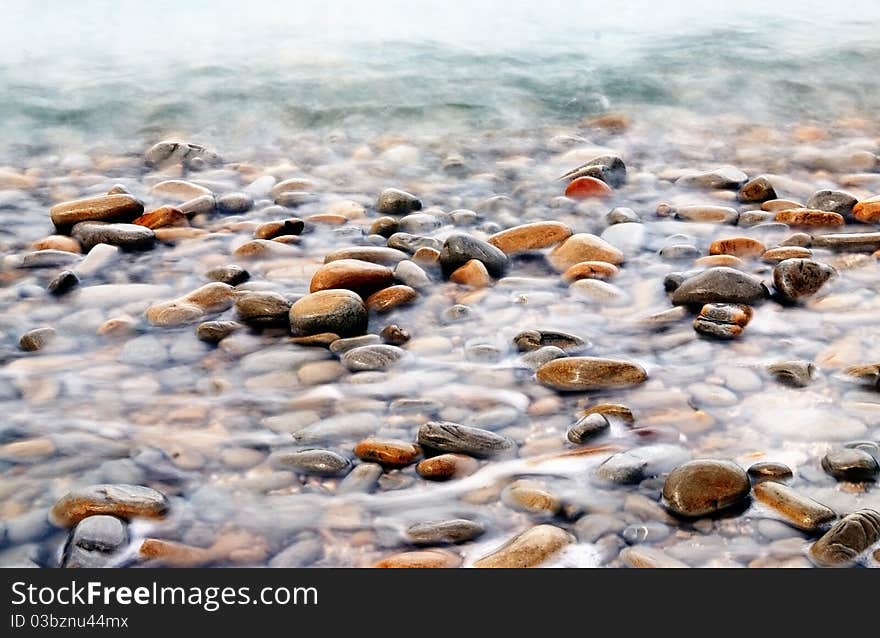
{"x": 341, "y": 346}
{"x": 57, "y": 242}
{"x": 590, "y": 373}
{"x": 796, "y": 509}
{"x": 445, "y": 532}
{"x": 529, "y": 549}
{"x": 531, "y": 497}
{"x": 867, "y": 211}
{"x": 737, "y": 246}
{"x": 533, "y": 236}
{"x": 583, "y": 247}
{"x": 530, "y": 340}
{"x": 374, "y": 254}
{"x": 234, "y": 203}
{"x": 839, "y": 202}
{"x": 216, "y": 331}
{"x": 587, "y": 427}
{"x": 388, "y": 452}
{"x": 411, "y": 243}
{"x": 723, "y": 321}
{"x": 758, "y": 189}
{"x": 719, "y": 285}
{"x": 608, "y": 168}
{"x": 645, "y": 557}
{"x": 725, "y": 177}
{"x": 120, "y": 500}
{"x": 857, "y": 242}
{"x": 445, "y": 436}
{"x": 341, "y": 312}
{"x": 210, "y": 298}
{"x": 49, "y": 259}
{"x": 843, "y": 543}
{"x": 279, "y": 228}
{"x": 162, "y": 217}
{"x": 125, "y": 236}
{"x": 103, "y": 208}
{"x": 459, "y": 249}
{"x": 179, "y": 190}
{"x": 798, "y": 278}
{"x": 769, "y": 471}
{"x": 393, "y": 201}
{"x": 703, "y": 487}
{"x": 422, "y": 559}
{"x": 775, "y": 205}
{"x": 390, "y": 298}
{"x": 776, "y": 255}
{"x": 706, "y": 214}
{"x": 36, "y": 339}
{"x": 809, "y": 217}
{"x": 373, "y": 357}
{"x": 447, "y": 466}
{"x": 316, "y": 462}
{"x": 851, "y": 464}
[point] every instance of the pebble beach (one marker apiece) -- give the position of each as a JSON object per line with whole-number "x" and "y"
{"x": 563, "y": 314}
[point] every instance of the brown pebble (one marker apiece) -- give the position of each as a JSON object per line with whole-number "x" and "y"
{"x": 57, "y": 242}
{"x": 390, "y": 298}
{"x": 162, "y": 217}
{"x": 426, "y": 256}
{"x": 473, "y": 274}
{"x": 425, "y": 558}
{"x": 775, "y": 205}
{"x": 796, "y": 509}
{"x": 737, "y": 246}
{"x": 583, "y": 247}
{"x": 103, "y": 208}
{"x": 283, "y": 227}
{"x": 809, "y": 217}
{"x": 447, "y": 466}
{"x": 769, "y": 471}
{"x": 533, "y": 236}
{"x": 729, "y": 261}
{"x": 361, "y": 277}
{"x": 589, "y": 270}
{"x": 394, "y": 335}
{"x": 529, "y": 549}
{"x": 124, "y": 501}
{"x": 388, "y": 452}
{"x": 702, "y": 487}
{"x": 775, "y": 255}
{"x": 868, "y": 210}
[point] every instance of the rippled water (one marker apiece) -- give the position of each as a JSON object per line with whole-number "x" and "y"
{"x": 386, "y": 96}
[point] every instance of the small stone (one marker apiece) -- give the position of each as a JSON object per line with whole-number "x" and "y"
{"x": 341, "y": 312}
{"x": 726, "y": 177}
{"x": 341, "y": 346}
{"x": 587, "y": 427}
{"x": 622, "y": 215}
{"x": 707, "y": 214}
{"x": 776, "y": 205}
{"x": 388, "y": 452}
{"x": 36, "y": 339}
{"x": 473, "y": 274}
{"x": 737, "y": 246}
{"x": 445, "y": 436}
{"x": 390, "y": 298}
{"x": 587, "y": 187}
{"x": 408, "y": 243}
{"x": 392, "y": 201}
{"x": 851, "y": 464}
{"x": 234, "y": 203}
{"x": 721, "y": 320}
{"x": 809, "y": 217}
{"x": 63, "y": 283}
{"x": 216, "y": 331}
{"x": 293, "y": 199}
{"x": 375, "y": 357}
{"x": 614, "y": 411}
{"x": 531, "y": 497}
{"x": 839, "y": 202}
{"x": 719, "y": 285}
{"x": 530, "y": 340}
{"x": 848, "y": 241}
{"x": 703, "y": 487}
{"x": 679, "y": 252}
{"x": 280, "y": 228}
{"x": 316, "y": 462}
{"x": 411, "y": 274}
{"x": 776, "y": 255}
{"x": 394, "y": 335}
{"x": 57, "y": 242}
{"x": 583, "y": 247}
{"x": 608, "y": 168}
{"x": 100, "y": 534}
{"x": 362, "y": 277}
{"x": 590, "y": 373}
{"x": 843, "y": 543}
{"x": 633, "y": 466}
{"x": 125, "y": 236}
{"x": 169, "y": 152}
{"x": 425, "y": 559}
{"x": 711, "y": 261}
{"x": 384, "y": 226}
{"x": 447, "y": 466}
{"x": 263, "y": 309}
{"x": 758, "y": 189}
{"x": 649, "y": 532}
{"x": 769, "y": 471}
{"x": 589, "y": 270}
{"x": 457, "y": 530}
{"x": 374, "y": 254}
{"x": 123, "y": 501}
{"x": 103, "y": 208}
{"x": 644, "y": 557}
{"x": 49, "y": 259}
{"x": 162, "y": 217}
{"x": 798, "y": 510}
{"x": 210, "y": 298}
{"x": 201, "y": 205}
{"x": 797, "y": 278}
{"x": 754, "y": 217}
{"x": 536, "y": 358}
{"x": 529, "y": 549}
{"x": 231, "y": 274}
{"x": 798, "y": 374}
{"x": 867, "y": 211}
{"x": 459, "y": 249}
{"x": 533, "y": 236}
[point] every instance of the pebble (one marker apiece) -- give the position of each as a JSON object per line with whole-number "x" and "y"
{"x": 737, "y": 246}
{"x": 758, "y": 189}
{"x": 588, "y": 187}
{"x": 798, "y": 374}
{"x": 384, "y": 226}
{"x": 388, "y": 452}
{"x": 49, "y": 259}
{"x": 622, "y": 215}
{"x": 706, "y": 214}
{"x": 93, "y": 542}
{"x": 531, "y": 497}
{"x": 362, "y": 479}
{"x": 57, "y": 242}
{"x": 643, "y": 557}
{"x": 344, "y": 345}
{"x": 392, "y": 201}
{"x": 104, "y": 208}
{"x": 534, "y": 546}
{"x": 201, "y": 205}
{"x": 798, "y": 278}
{"x": 412, "y": 275}
{"x": 234, "y": 203}
{"x": 362, "y": 277}
{"x": 867, "y": 211}
{"x": 776, "y": 255}
{"x": 530, "y": 340}
{"x": 340, "y": 312}
{"x": 703, "y": 487}
{"x": 373, "y": 357}
{"x": 473, "y": 274}
{"x": 650, "y": 532}
{"x": 839, "y": 202}
{"x": 775, "y": 205}
{"x": 280, "y": 228}
{"x": 162, "y": 217}
{"x": 754, "y": 217}
{"x": 390, "y": 298}
{"x": 62, "y": 283}
{"x": 230, "y": 274}
{"x": 446, "y": 532}
{"x": 180, "y": 190}
{"x": 447, "y": 466}
{"x": 589, "y": 373}
{"x": 583, "y": 247}
{"x": 408, "y": 243}
{"x": 315, "y": 462}
{"x": 719, "y": 285}
{"x": 374, "y": 254}
{"x": 394, "y": 335}
{"x": 796, "y": 509}
{"x": 679, "y": 252}
{"x": 459, "y": 249}
{"x": 592, "y": 527}
{"x": 769, "y": 471}
{"x": 629, "y": 238}
{"x": 634, "y": 466}
{"x": 848, "y": 241}
{"x": 425, "y": 559}
{"x": 722, "y": 320}
{"x": 533, "y": 236}
{"x": 36, "y": 339}
{"x": 263, "y": 309}
{"x": 590, "y": 270}
{"x": 123, "y": 501}
{"x": 216, "y": 331}
{"x": 124, "y": 236}
{"x": 446, "y": 436}
{"x": 190, "y": 155}
{"x": 725, "y": 177}
{"x": 851, "y": 464}
{"x": 846, "y": 540}
{"x": 809, "y": 217}
{"x": 210, "y": 298}
{"x": 587, "y": 427}
{"x": 608, "y": 168}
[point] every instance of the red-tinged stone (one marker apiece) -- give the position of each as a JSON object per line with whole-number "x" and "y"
{"x": 586, "y": 187}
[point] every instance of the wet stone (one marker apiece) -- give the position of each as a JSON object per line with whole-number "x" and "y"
{"x": 533, "y": 236}
{"x": 758, "y": 189}
{"x": 123, "y": 501}
{"x": 644, "y": 556}
{"x": 104, "y": 208}
{"x": 162, "y": 217}
{"x": 473, "y": 274}
{"x": 587, "y": 427}
{"x": 49, "y": 259}
{"x": 190, "y": 155}
{"x": 529, "y": 549}
{"x": 263, "y": 309}
{"x": 387, "y": 452}
{"x": 280, "y": 228}
{"x": 231, "y": 274}
{"x": 855, "y": 242}
{"x": 650, "y": 532}
{"x": 769, "y": 471}
{"x": 796, "y": 509}
{"x": 851, "y": 464}
{"x": 706, "y": 214}
{"x": 390, "y": 298}
{"x": 125, "y": 236}
{"x": 776, "y": 255}
{"x": 394, "y": 335}
{"x": 607, "y": 168}
{"x": 839, "y": 202}
{"x": 445, "y": 436}
{"x": 867, "y": 211}
{"x": 679, "y": 252}
{"x": 843, "y": 543}
{"x": 447, "y": 466}
{"x": 362, "y": 277}
{"x": 36, "y": 339}
{"x": 393, "y": 201}
{"x": 372, "y": 357}
{"x": 100, "y": 533}
{"x": 703, "y": 487}
{"x": 424, "y": 559}
{"x": 723, "y": 321}
{"x": 458, "y": 249}
{"x": 719, "y": 285}
{"x": 234, "y": 203}
{"x": 589, "y": 373}
{"x": 588, "y": 187}
{"x": 340, "y": 312}
{"x": 798, "y": 374}
{"x": 216, "y": 331}
{"x": 530, "y": 497}
{"x": 634, "y": 466}
{"x": 408, "y": 243}
{"x": 809, "y": 217}
{"x": 725, "y": 177}
{"x": 798, "y": 278}
{"x": 530, "y": 340}
{"x": 536, "y": 358}
{"x": 316, "y": 462}
{"x": 446, "y": 532}
{"x": 385, "y": 226}
{"x": 373, "y": 254}
{"x": 583, "y": 247}
{"x": 738, "y": 246}
{"x": 622, "y": 215}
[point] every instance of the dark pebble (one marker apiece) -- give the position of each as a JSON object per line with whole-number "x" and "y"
{"x": 445, "y": 436}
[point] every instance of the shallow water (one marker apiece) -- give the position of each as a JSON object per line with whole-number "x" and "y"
{"x": 358, "y": 103}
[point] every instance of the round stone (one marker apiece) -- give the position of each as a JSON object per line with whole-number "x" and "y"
{"x": 362, "y": 277}
{"x": 447, "y": 466}
{"x": 388, "y": 452}
{"x": 797, "y": 278}
{"x": 341, "y": 312}
{"x": 372, "y": 357}
{"x": 530, "y": 340}
{"x": 317, "y": 462}
{"x": 769, "y": 471}
{"x": 459, "y": 249}
{"x": 393, "y": 201}
{"x": 533, "y": 236}
{"x": 703, "y": 487}
{"x": 719, "y": 285}
{"x": 851, "y": 464}
{"x": 590, "y": 373}
{"x": 847, "y": 539}
{"x": 588, "y": 187}
{"x": 587, "y": 427}
{"x": 121, "y": 500}
{"x": 457, "y": 530}
{"x": 583, "y": 247}
{"x": 529, "y": 549}
{"x": 263, "y": 309}
{"x": 445, "y": 436}
{"x": 230, "y": 274}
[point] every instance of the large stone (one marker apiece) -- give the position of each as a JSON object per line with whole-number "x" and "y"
{"x": 590, "y": 373}
{"x": 839, "y": 202}
{"x": 583, "y": 247}
{"x": 120, "y": 500}
{"x": 867, "y": 210}
{"x": 263, "y": 309}
{"x": 851, "y": 464}
{"x": 534, "y": 236}
{"x": 796, "y": 509}
{"x": 392, "y": 201}
{"x": 718, "y": 285}
{"x": 125, "y": 236}
{"x": 703, "y": 487}
{"x": 459, "y": 249}
{"x": 341, "y": 312}
{"x": 529, "y": 549}
{"x": 362, "y": 277}
{"x": 798, "y": 278}
{"x": 843, "y": 543}
{"x": 809, "y": 217}
{"x": 445, "y": 436}
{"x": 103, "y": 208}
